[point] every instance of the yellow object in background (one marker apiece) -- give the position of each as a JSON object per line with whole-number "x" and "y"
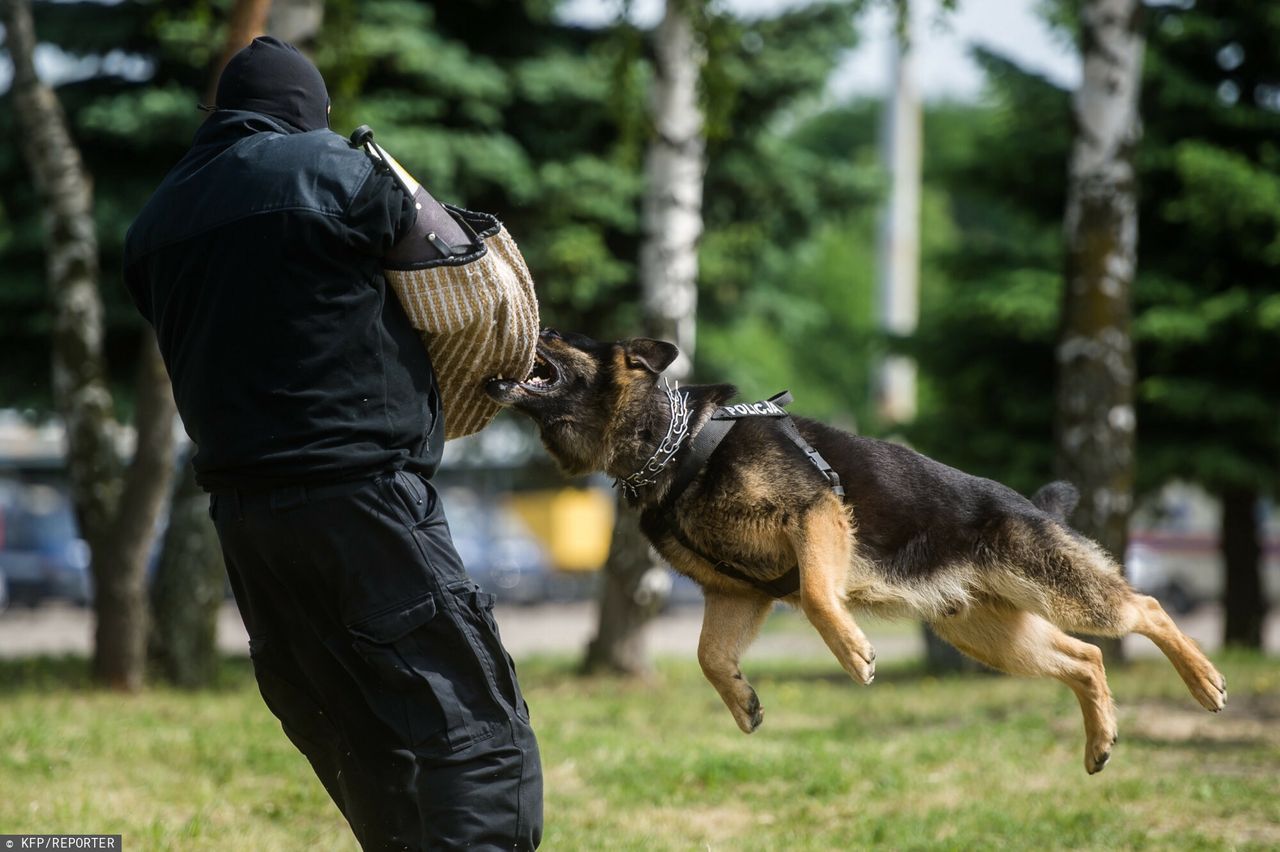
{"x": 574, "y": 524}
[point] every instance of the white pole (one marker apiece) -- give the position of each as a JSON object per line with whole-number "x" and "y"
{"x": 899, "y": 289}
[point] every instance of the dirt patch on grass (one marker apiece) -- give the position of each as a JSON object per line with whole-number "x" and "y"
{"x": 712, "y": 827}
{"x": 1248, "y": 720}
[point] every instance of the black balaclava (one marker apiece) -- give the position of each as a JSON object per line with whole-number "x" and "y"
{"x": 272, "y": 77}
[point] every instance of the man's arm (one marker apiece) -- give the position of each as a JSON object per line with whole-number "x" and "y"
{"x": 379, "y": 215}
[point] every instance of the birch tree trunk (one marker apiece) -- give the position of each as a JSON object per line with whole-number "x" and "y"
{"x": 1095, "y": 393}
{"x": 674, "y": 168}
{"x": 116, "y": 508}
{"x": 672, "y": 222}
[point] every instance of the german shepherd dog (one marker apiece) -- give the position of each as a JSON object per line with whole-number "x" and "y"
{"x": 1001, "y": 577}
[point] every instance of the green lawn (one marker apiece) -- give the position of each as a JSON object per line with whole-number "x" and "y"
{"x": 911, "y": 762}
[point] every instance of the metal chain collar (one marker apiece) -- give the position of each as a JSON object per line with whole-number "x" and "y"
{"x": 677, "y": 430}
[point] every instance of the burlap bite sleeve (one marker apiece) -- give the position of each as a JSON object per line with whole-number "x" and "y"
{"x": 478, "y": 315}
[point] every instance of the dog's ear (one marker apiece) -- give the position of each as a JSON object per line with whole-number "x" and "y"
{"x": 652, "y": 355}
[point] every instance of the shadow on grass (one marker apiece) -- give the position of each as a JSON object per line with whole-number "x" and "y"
{"x": 915, "y": 671}
{"x": 70, "y": 672}
{"x": 1206, "y": 745}
{"x": 902, "y": 672}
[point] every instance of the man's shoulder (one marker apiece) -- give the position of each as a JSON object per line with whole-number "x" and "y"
{"x": 315, "y": 173}
{"x": 315, "y": 141}
{"x": 317, "y": 152}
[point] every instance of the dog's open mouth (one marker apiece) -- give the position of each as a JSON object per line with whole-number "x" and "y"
{"x": 543, "y": 376}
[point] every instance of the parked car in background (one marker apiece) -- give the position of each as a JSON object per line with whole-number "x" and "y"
{"x": 1185, "y": 571}
{"x": 1174, "y": 554}
{"x": 497, "y": 548}
{"x": 42, "y": 555}
{"x": 4, "y": 592}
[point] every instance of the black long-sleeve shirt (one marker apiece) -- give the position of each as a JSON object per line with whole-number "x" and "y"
{"x": 257, "y": 261}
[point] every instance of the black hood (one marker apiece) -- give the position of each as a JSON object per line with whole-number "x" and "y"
{"x": 273, "y": 78}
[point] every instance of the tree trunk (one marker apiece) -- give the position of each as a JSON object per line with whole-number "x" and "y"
{"x": 248, "y": 21}
{"x": 187, "y": 591}
{"x": 80, "y": 392}
{"x": 1243, "y": 599}
{"x": 1095, "y": 402}
{"x": 116, "y": 509}
{"x": 672, "y": 211}
{"x": 629, "y": 599}
{"x": 120, "y": 562}
{"x": 672, "y": 219}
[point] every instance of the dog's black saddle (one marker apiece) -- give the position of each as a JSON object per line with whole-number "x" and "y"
{"x": 723, "y": 419}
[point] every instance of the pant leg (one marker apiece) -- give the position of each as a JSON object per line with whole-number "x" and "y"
{"x": 287, "y": 696}
{"x": 369, "y": 632}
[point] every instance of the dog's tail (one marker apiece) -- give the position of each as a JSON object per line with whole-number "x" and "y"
{"x": 1058, "y": 499}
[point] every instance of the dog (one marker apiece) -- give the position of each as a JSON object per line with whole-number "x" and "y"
{"x": 1001, "y": 577}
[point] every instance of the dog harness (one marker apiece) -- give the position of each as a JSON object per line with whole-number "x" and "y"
{"x": 722, "y": 421}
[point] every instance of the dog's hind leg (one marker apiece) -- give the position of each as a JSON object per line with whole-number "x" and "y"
{"x": 729, "y": 623}
{"x": 1205, "y": 682}
{"x": 822, "y": 543}
{"x": 1090, "y": 596}
{"x": 1023, "y": 643}
{"x": 1130, "y": 612}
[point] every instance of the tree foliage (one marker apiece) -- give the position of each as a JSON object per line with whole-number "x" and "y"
{"x": 1205, "y": 308}
{"x": 1208, "y": 322}
{"x": 985, "y": 344}
{"x": 499, "y": 105}
{"x": 136, "y": 71}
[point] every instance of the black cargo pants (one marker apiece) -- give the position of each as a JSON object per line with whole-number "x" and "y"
{"x": 382, "y": 661}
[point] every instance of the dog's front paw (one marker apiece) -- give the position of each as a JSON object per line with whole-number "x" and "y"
{"x": 748, "y": 713}
{"x": 1209, "y": 688}
{"x": 864, "y": 665}
{"x": 1097, "y": 752}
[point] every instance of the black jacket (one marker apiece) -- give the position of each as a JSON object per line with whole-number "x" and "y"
{"x": 257, "y": 262}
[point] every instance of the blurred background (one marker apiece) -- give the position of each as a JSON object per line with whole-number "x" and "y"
{"x": 1034, "y": 239}
{"x": 1025, "y": 238}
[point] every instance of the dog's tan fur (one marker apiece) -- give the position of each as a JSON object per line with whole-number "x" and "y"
{"x": 1006, "y": 602}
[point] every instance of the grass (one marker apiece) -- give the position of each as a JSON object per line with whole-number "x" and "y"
{"x": 912, "y": 762}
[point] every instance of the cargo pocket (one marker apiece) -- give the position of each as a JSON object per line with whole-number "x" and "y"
{"x": 413, "y": 654}
{"x": 300, "y": 715}
{"x": 478, "y": 606}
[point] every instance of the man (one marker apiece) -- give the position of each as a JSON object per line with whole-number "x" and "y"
{"x": 316, "y": 417}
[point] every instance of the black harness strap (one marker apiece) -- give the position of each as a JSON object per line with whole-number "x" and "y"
{"x": 787, "y": 584}
{"x": 701, "y": 448}
{"x": 815, "y": 457}
{"x": 723, "y": 420}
